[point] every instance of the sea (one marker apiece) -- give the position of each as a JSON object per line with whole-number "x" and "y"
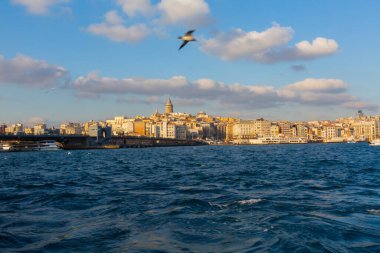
{"x": 270, "y": 198}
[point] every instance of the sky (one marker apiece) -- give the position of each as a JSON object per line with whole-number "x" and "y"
{"x": 80, "y": 60}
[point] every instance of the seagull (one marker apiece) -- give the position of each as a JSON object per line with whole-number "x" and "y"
{"x": 187, "y": 38}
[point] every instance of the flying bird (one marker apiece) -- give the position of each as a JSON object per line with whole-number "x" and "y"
{"x": 186, "y": 38}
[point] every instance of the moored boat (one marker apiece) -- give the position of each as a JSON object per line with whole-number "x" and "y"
{"x": 48, "y": 145}
{"x": 375, "y": 142}
{"x": 20, "y": 146}
{"x": 29, "y": 145}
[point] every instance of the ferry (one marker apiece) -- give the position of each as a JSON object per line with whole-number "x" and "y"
{"x": 48, "y": 145}
{"x": 277, "y": 140}
{"x": 21, "y": 146}
{"x": 29, "y": 145}
{"x": 375, "y": 142}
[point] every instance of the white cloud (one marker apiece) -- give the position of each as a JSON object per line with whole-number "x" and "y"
{"x": 155, "y": 18}
{"x": 39, "y": 6}
{"x": 25, "y": 71}
{"x": 319, "y": 47}
{"x": 319, "y": 85}
{"x": 185, "y": 12}
{"x": 134, "y": 7}
{"x": 114, "y": 29}
{"x": 239, "y": 44}
{"x": 268, "y": 46}
{"x": 320, "y": 92}
{"x": 188, "y": 13}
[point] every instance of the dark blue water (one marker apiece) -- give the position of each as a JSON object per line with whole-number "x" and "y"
{"x": 280, "y": 198}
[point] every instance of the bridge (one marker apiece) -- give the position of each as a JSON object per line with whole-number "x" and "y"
{"x": 88, "y": 142}
{"x": 27, "y": 137}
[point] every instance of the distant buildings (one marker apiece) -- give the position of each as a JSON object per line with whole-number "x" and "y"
{"x": 70, "y": 129}
{"x": 40, "y": 129}
{"x": 177, "y": 125}
{"x": 2, "y": 128}
{"x": 15, "y": 129}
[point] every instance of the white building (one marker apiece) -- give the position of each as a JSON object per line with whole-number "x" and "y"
{"x": 40, "y": 129}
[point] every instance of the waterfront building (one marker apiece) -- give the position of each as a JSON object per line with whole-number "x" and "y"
{"x": 274, "y": 130}
{"x": 87, "y": 125}
{"x": 244, "y": 130}
{"x": 262, "y": 127}
{"x": 171, "y": 130}
{"x": 285, "y": 129}
{"x": 28, "y": 130}
{"x": 155, "y": 131}
{"x": 15, "y": 129}
{"x": 221, "y": 131}
{"x": 229, "y": 132}
{"x": 40, "y": 129}
{"x": 249, "y": 129}
{"x": 139, "y": 127}
{"x": 315, "y": 133}
{"x": 192, "y": 133}
{"x": 367, "y": 130}
{"x": 180, "y": 132}
{"x": 301, "y": 130}
{"x": 122, "y": 125}
{"x": 329, "y": 132}
{"x": 128, "y": 126}
{"x": 2, "y": 128}
{"x": 208, "y": 130}
{"x": 70, "y": 129}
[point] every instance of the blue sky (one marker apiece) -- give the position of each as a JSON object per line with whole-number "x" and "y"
{"x": 71, "y": 60}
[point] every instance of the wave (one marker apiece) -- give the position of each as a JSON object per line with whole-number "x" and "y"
{"x": 249, "y": 201}
{"x": 374, "y": 211}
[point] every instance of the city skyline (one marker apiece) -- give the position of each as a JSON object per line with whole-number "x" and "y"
{"x": 212, "y": 129}
{"x": 74, "y": 61}
{"x": 168, "y": 109}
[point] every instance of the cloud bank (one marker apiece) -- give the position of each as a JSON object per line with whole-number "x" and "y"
{"x": 268, "y": 46}
{"x": 187, "y": 13}
{"x": 39, "y": 7}
{"x": 28, "y": 72}
{"x": 310, "y": 91}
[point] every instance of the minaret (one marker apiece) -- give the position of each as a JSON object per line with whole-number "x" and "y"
{"x": 169, "y": 106}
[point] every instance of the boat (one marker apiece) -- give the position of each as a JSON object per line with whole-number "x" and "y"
{"x": 48, "y": 145}
{"x": 21, "y": 146}
{"x": 375, "y": 142}
{"x": 29, "y": 145}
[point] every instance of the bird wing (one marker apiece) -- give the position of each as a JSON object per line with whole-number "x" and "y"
{"x": 190, "y": 32}
{"x": 183, "y": 44}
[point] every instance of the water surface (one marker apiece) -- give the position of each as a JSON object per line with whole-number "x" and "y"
{"x": 278, "y": 198}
